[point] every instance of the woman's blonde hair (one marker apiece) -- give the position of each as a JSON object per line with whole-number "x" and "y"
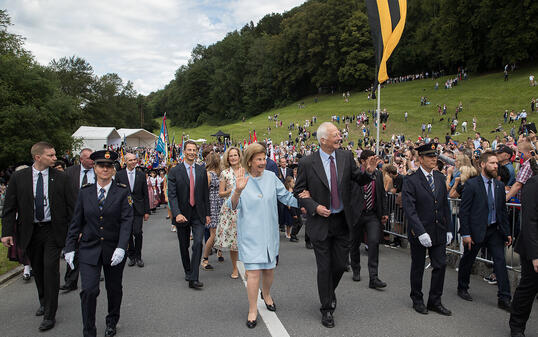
{"x": 252, "y": 150}
{"x": 467, "y": 172}
{"x": 213, "y": 163}
{"x": 225, "y": 163}
{"x": 462, "y": 160}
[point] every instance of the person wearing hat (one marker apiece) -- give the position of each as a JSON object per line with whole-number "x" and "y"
{"x": 102, "y": 222}
{"x": 425, "y": 204}
{"x": 504, "y": 154}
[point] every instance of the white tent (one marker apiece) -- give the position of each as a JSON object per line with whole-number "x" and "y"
{"x": 137, "y": 137}
{"x": 98, "y": 138}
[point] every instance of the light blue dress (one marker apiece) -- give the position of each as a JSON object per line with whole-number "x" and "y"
{"x": 258, "y": 236}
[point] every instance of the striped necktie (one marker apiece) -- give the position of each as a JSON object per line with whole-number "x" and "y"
{"x": 431, "y": 182}
{"x": 368, "y": 196}
{"x": 101, "y": 198}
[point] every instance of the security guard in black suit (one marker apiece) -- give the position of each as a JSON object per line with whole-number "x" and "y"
{"x": 425, "y": 203}
{"x": 102, "y": 222}
{"x": 527, "y": 248}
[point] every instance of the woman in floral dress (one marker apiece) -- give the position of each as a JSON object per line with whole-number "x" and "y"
{"x": 215, "y": 203}
{"x": 227, "y": 226}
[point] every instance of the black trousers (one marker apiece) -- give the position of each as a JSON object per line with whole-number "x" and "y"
{"x": 524, "y": 297}
{"x": 135, "y": 240}
{"x": 371, "y": 225}
{"x": 191, "y": 264}
{"x": 418, "y": 258}
{"x": 297, "y": 225}
{"x": 331, "y": 259}
{"x": 71, "y": 275}
{"x": 44, "y": 255}
{"x": 494, "y": 241}
{"x": 89, "y": 283}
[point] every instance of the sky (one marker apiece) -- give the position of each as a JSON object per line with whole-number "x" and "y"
{"x": 142, "y": 41}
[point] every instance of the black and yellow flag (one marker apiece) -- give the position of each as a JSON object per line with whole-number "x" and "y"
{"x": 387, "y": 21}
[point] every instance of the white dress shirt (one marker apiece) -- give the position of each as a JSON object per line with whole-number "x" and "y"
{"x": 45, "y": 174}
{"x": 131, "y": 175}
{"x": 107, "y": 188}
{"x": 90, "y": 177}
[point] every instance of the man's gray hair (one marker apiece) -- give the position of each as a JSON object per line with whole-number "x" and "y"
{"x": 322, "y": 131}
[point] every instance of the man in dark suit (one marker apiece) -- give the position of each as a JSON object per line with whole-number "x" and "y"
{"x": 527, "y": 248}
{"x": 102, "y": 222}
{"x": 484, "y": 223}
{"x": 327, "y": 175}
{"x": 283, "y": 170}
{"x": 370, "y": 211}
{"x": 136, "y": 181}
{"x": 188, "y": 193}
{"x": 79, "y": 175}
{"x": 425, "y": 204}
{"x": 39, "y": 200}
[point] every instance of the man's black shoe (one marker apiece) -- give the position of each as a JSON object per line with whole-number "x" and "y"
{"x": 420, "y": 308}
{"x": 110, "y": 331}
{"x": 517, "y": 334}
{"x": 47, "y": 324}
{"x": 504, "y": 304}
{"x": 356, "y": 276}
{"x": 131, "y": 262}
{"x": 327, "y": 319}
{"x": 69, "y": 289}
{"x": 40, "y": 311}
{"x": 308, "y": 245}
{"x": 440, "y": 309}
{"x": 464, "y": 294}
{"x": 140, "y": 263}
{"x": 376, "y": 283}
{"x": 196, "y": 285}
{"x": 294, "y": 238}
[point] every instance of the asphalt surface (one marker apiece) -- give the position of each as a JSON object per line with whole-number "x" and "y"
{"x": 158, "y": 302}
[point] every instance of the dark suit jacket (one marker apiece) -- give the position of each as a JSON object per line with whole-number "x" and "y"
{"x": 178, "y": 192}
{"x": 271, "y": 166}
{"x": 381, "y": 202}
{"x": 19, "y": 206}
{"x": 426, "y": 212}
{"x": 102, "y": 231}
{"x": 474, "y": 209}
{"x": 289, "y": 173}
{"x": 311, "y": 176}
{"x": 139, "y": 192}
{"x": 73, "y": 172}
{"x": 527, "y": 241}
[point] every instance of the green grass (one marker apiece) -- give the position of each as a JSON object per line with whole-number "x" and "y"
{"x": 5, "y": 264}
{"x": 485, "y": 96}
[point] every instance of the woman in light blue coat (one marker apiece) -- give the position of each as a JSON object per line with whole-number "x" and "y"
{"x": 255, "y": 198}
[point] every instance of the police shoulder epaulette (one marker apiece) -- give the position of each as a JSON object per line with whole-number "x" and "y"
{"x": 122, "y": 185}
{"x": 86, "y": 185}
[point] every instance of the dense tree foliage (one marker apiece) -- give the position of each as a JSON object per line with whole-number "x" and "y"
{"x": 50, "y": 102}
{"x": 325, "y": 45}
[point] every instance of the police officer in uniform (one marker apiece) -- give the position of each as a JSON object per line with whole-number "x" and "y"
{"x": 425, "y": 203}
{"x": 103, "y": 220}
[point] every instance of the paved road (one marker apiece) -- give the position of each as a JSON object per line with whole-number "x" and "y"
{"x": 157, "y": 301}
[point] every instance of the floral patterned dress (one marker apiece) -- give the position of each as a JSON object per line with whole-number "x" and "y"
{"x": 215, "y": 201}
{"x": 227, "y": 227}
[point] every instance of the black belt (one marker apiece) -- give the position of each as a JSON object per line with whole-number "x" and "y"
{"x": 493, "y": 225}
{"x": 42, "y": 224}
{"x": 369, "y": 212}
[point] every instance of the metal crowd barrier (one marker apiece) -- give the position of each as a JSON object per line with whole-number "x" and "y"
{"x": 397, "y": 226}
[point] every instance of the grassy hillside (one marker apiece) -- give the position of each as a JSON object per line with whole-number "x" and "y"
{"x": 485, "y": 96}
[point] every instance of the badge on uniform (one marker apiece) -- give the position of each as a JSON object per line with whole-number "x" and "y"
{"x": 130, "y": 200}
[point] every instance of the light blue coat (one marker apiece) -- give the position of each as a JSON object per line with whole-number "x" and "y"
{"x": 258, "y": 237}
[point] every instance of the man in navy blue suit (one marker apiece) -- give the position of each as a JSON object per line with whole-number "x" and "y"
{"x": 484, "y": 223}
{"x": 425, "y": 203}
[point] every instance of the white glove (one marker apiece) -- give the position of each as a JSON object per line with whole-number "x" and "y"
{"x": 69, "y": 258}
{"x": 117, "y": 257}
{"x": 449, "y": 237}
{"x": 425, "y": 240}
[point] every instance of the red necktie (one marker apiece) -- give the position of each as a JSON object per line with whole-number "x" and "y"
{"x": 335, "y": 198}
{"x": 191, "y": 187}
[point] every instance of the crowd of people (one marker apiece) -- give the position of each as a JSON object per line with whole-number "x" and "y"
{"x": 215, "y": 194}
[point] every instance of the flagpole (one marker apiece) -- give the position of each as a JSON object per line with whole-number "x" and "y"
{"x": 377, "y": 117}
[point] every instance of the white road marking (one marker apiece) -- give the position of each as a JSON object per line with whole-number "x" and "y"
{"x": 274, "y": 325}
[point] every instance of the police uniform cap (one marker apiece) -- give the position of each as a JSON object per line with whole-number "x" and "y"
{"x": 428, "y": 150}
{"x": 104, "y": 157}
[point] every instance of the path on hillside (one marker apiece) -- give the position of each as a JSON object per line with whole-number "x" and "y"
{"x": 157, "y": 301}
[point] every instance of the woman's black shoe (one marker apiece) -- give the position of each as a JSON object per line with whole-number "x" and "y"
{"x": 252, "y": 324}
{"x": 271, "y": 307}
